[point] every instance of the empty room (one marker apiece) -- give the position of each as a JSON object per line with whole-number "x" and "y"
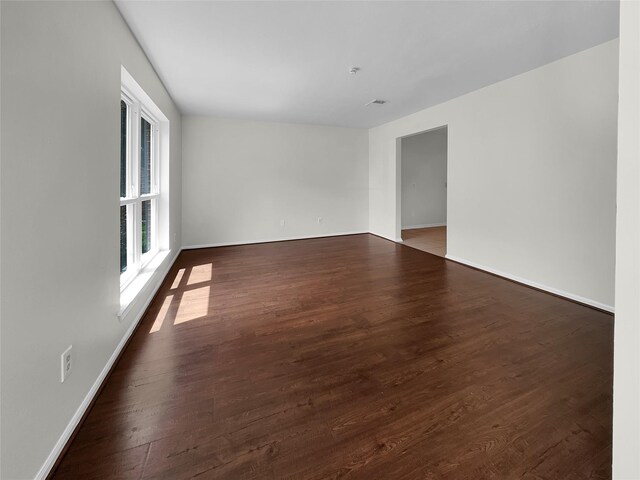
{"x": 320, "y": 240}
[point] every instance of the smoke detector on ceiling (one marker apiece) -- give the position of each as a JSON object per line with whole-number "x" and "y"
{"x": 376, "y": 101}
{"x": 354, "y": 70}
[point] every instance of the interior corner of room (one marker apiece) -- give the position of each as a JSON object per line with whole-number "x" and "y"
{"x": 328, "y": 250}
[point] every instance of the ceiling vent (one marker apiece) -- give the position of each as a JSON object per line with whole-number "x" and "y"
{"x": 377, "y": 101}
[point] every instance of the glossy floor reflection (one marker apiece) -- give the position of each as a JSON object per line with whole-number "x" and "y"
{"x": 351, "y": 356}
{"x": 431, "y": 239}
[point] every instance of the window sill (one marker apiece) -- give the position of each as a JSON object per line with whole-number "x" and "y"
{"x": 130, "y": 294}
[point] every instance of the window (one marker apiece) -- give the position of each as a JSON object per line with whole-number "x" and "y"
{"x": 139, "y": 186}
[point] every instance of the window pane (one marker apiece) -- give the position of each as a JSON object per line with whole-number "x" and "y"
{"x": 146, "y": 226}
{"x": 123, "y": 238}
{"x": 145, "y": 157}
{"x": 123, "y": 148}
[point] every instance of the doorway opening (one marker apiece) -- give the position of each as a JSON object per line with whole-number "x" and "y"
{"x": 423, "y": 161}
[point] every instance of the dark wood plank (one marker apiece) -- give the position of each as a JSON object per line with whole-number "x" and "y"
{"x": 351, "y": 356}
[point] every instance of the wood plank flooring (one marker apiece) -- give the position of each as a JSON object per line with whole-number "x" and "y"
{"x": 351, "y": 357}
{"x": 431, "y": 239}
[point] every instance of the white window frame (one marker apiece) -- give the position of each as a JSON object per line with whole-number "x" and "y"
{"x": 136, "y": 260}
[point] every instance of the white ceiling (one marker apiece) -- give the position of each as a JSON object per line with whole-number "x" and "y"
{"x": 289, "y": 61}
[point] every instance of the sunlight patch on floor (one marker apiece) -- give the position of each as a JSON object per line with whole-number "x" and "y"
{"x": 176, "y": 281}
{"x": 193, "y": 304}
{"x": 200, "y": 273}
{"x": 162, "y": 314}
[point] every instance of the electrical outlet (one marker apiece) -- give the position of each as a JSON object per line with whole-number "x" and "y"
{"x": 65, "y": 364}
{"x": 319, "y": 220}
{"x": 282, "y": 223}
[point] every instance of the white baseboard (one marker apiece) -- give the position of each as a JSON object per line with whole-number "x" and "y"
{"x": 424, "y": 225}
{"x": 270, "y": 240}
{"x": 546, "y": 288}
{"x": 86, "y": 402}
{"x": 391, "y": 239}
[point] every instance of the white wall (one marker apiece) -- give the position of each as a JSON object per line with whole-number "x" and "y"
{"x": 60, "y": 212}
{"x": 531, "y": 175}
{"x": 424, "y": 179}
{"x": 626, "y": 383}
{"x": 241, "y": 178}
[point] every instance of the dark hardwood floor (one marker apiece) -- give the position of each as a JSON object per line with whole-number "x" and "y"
{"x": 351, "y": 357}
